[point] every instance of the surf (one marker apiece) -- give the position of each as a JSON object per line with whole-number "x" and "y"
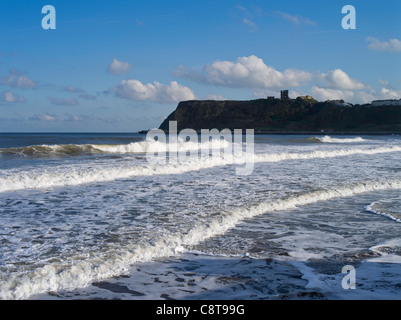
{"x": 73, "y": 175}
{"x": 328, "y": 139}
{"x": 388, "y": 208}
{"x": 50, "y": 150}
{"x": 76, "y": 272}
{"x": 140, "y": 147}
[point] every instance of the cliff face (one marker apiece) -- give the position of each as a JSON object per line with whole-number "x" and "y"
{"x": 275, "y": 115}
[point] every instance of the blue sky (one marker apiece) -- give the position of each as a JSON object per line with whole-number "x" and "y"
{"x": 123, "y": 66}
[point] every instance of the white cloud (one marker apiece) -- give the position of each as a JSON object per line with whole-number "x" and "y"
{"x": 296, "y": 19}
{"x": 118, "y": 67}
{"x": 10, "y": 97}
{"x": 392, "y": 45}
{"x": 215, "y": 97}
{"x": 63, "y": 102}
{"x": 185, "y": 72}
{"x": 17, "y": 80}
{"x": 74, "y": 118}
{"x": 356, "y": 96}
{"x": 243, "y": 9}
{"x": 43, "y": 117}
{"x": 73, "y": 89}
{"x": 81, "y": 92}
{"x": 156, "y": 92}
{"x": 87, "y": 96}
{"x": 386, "y": 84}
{"x": 390, "y": 93}
{"x": 337, "y": 85}
{"x": 247, "y": 18}
{"x": 49, "y": 117}
{"x": 246, "y": 72}
{"x": 353, "y": 91}
{"x": 252, "y": 73}
{"x": 250, "y": 24}
{"x": 323, "y": 94}
{"x": 338, "y": 79}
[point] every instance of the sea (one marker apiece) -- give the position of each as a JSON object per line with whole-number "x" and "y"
{"x": 89, "y": 216}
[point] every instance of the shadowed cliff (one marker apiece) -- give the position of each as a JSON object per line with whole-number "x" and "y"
{"x": 293, "y": 115}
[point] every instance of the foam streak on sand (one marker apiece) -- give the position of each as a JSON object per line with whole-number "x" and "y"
{"x": 77, "y": 272}
{"x": 72, "y": 176}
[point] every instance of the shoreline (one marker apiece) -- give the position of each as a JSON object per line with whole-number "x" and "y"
{"x": 307, "y": 133}
{"x": 200, "y": 276}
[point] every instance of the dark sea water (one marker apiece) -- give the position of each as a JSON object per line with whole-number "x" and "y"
{"x": 88, "y": 216}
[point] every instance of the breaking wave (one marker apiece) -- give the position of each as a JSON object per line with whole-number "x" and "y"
{"x": 388, "y": 208}
{"x": 72, "y": 176}
{"x": 328, "y": 139}
{"x": 50, "y": 150}
{"x": 133, "y": 147}
{"x": 78, "y": 272}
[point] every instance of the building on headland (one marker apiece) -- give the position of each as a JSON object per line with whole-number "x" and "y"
{"x": 284, "y": 95}
{"x": 340, "y": 103}
{"x": 389, "y": 102}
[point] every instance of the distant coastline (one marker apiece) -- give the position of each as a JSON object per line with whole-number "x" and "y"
{"x": 300, "y": 116}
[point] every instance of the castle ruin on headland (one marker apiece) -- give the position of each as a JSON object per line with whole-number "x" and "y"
{"x": 284, "y": 95}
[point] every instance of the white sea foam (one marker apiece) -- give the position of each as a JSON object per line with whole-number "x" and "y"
{"x": 389, "y": 251}
{"x": 228, "y": 221}
{"x": 72, "y": 176}
{"x": 133, "y": 147}
{"x": 387, "y": 208}
{"x": 328, "y": 139}
{"x": 159, "y": 146}
{"x": 50, "y": 150}
{"x": 323, "y": 154}
{"x": 139, "y": 147}
{"x": 81, "y": 271}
